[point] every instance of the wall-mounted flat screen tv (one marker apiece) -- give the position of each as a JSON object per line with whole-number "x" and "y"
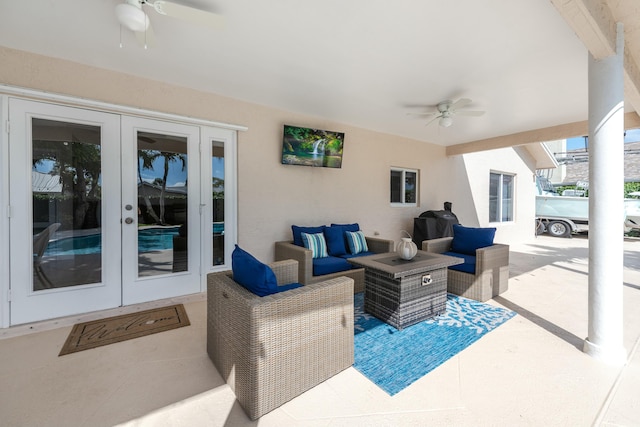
{"x": 312, "y": 147}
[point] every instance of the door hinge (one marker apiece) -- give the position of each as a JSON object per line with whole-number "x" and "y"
{"x": 7, "y": 126}
{"x": 8, "y": 211}
{"x": 9, "y": 295}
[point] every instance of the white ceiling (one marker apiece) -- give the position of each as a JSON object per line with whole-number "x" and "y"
{"x": 366, "y": 63}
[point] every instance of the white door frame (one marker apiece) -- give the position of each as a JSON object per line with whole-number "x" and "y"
{"x": 229, "y": 139}
{"x": 25, "y": 93}
{"x": 137, "y": 289}
{"x": 28, "y": 305}
{"x": 5, "y": 296}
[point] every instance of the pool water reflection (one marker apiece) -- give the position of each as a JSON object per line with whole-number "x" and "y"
{"x": 149, "y": 239}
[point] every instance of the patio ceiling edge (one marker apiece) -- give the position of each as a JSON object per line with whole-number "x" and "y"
{"x": 568, "y": 130}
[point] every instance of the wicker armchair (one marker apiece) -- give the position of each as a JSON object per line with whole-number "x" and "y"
{"x": 271, "y": 349}
{"x": 492, "y": 270}
{"x": 287, "y": 250}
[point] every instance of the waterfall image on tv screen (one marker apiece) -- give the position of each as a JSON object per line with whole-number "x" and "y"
{"x": 312, "y": 147}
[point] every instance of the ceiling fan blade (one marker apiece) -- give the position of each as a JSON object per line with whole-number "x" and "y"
{"x": 146, "y": 38}
{"x": 469, "y": 113}
{"x": 433, "y": 113}
{"x": 460, "y": 103}
{"x": 433, "y": 120}
{"x": 193, "y": 15}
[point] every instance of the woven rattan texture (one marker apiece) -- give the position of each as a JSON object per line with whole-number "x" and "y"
{"x": 492, "y": 271}
{"x": 287, "y": 250}
{"x": 405, "y": 301}
{"x": 271, "y": 349}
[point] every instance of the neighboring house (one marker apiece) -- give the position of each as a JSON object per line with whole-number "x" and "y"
{"x": 46, "y": 183}
{"x": 574, "y": 164}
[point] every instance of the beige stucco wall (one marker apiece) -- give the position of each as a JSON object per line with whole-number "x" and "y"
{"x": 475, "y": 212}
{"x": 271, "y": 196}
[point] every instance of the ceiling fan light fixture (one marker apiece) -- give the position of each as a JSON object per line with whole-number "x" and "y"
{"x": 445, "y": 122}
{"x": 131, "y": 15}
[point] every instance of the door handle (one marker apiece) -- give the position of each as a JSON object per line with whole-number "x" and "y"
{"x": 128, "y": 220}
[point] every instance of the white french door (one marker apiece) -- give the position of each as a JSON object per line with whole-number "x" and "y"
{"x": 109, "y": 210}
{"x": 64, "y": 236}
{"x": 160, "y": 209}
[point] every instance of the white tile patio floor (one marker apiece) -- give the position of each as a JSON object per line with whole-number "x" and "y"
{"x": 528, "y": 372}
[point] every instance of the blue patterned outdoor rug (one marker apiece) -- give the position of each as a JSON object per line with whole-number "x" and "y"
{"x": 394, "y": 359}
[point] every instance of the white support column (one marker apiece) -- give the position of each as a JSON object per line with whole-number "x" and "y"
{"x": 606, "y": 209}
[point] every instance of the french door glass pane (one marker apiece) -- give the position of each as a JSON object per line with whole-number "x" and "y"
{"x": 217, "y": 184}
{"x": 162, "y": 204}
{"x": 66, "y": 198}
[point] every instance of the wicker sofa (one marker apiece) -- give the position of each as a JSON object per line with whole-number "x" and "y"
{"x": 491, "y": 277}
{"x": 271, "y": 349}
{"x": 288, "y": 250}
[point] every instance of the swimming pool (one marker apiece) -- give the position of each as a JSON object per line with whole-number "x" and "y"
{"x": 149, "y": 239}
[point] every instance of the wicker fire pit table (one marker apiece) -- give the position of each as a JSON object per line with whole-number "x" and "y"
{"x": 403, "y": 293}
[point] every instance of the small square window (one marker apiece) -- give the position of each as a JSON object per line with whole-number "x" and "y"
{"x": 404, "y": 187}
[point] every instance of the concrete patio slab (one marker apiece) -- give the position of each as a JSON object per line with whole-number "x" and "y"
{"x": 530, "y": 371}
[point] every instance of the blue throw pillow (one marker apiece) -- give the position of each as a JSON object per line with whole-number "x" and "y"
{"x": 334, "y": 236}
{"x": 348, "y": 227}
{"x": 316, "y": 243}
{"x": 357, "y": 242}
{"x": 297, "y": 233}
{"x": 467, "y": 239}
{"x": 252, "y": 274}
{"x": 344, "y": 228}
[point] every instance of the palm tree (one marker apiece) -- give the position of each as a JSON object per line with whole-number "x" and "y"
{"x": 169, "y": 157}
{"x": 145, "y": 161}
{"x": 147, "y": 158}
{"x": 79, "y": 166}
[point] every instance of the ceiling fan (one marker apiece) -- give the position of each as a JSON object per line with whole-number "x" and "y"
{"x": 445, "y": 111}
{"x": 132, "y": 15}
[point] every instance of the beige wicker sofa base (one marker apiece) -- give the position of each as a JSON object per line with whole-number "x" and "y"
{"x": 271, "y": 349}
{"x": 492, "y": 271}
{"x": 287, "y": 250}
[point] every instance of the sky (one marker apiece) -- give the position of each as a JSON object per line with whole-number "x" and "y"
{"x": 177, "y": 177}
{"x": 632, "y": 135}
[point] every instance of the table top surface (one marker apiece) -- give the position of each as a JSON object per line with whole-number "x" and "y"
{"x": 391, "y": 264}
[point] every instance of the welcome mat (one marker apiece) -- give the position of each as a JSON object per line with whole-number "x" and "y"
{"x": 97, "y": 333}
{"x": 394, "y": 359}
